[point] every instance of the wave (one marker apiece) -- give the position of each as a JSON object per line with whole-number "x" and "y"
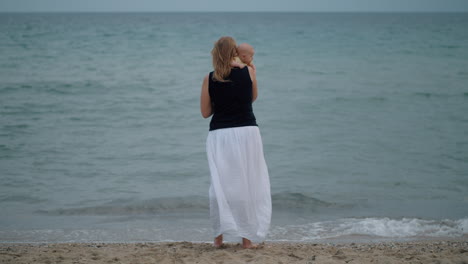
{"x": 439, "y": 95}
{"x": 405, "y": 228}
{"x": 57, "y": 88}
{"x": 289, "y": 200}
{"x": 150, "y": 206}
{"x": 20, "y": 198}
{"x": 386, "y": 98}
{"x": 280, "y": 201}
{"x": 376, "y": 98}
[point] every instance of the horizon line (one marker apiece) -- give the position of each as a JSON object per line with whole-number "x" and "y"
{"x": 271, "y": 11}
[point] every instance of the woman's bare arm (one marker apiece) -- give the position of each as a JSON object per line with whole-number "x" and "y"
{"x": 253, "y": 77}
{"x": 205, "y": 100}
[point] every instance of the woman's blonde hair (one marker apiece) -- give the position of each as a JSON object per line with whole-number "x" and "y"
{"x": 223, "y": 53}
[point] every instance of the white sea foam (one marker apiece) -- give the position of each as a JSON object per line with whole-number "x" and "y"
{"x": 372, "y": 227}
{"x": 406, "y": 227}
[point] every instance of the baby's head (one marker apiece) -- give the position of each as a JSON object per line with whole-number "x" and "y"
{"x": 246, "y": 53}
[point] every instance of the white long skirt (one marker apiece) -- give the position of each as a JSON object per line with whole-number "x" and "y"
{"x": 240, "y": 199}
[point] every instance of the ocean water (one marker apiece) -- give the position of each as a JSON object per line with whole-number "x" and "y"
{"x": 364, "y": 119}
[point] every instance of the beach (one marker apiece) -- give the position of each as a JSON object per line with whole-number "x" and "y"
{"x": 187, "y": 252}
{"x": 362, "y": 116}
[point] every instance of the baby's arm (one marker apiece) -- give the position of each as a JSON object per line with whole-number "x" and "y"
{"x": 237, "y": 64}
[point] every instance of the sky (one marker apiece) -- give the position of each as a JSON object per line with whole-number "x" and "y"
{"x": 237, "y": 5}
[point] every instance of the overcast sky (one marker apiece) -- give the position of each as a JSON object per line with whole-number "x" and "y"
{"x": 236, "y": 5}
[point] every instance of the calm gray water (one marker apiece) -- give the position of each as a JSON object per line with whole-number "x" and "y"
{"x": 363, "y": 117}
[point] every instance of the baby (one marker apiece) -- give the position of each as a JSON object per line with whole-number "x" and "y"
{"x": 245, "y": 54}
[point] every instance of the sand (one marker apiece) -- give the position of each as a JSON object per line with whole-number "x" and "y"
{"x": 186, "y": 252}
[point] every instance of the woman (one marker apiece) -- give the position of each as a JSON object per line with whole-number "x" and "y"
{"x": 240, "y": 200}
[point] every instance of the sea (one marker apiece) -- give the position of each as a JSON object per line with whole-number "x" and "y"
{"x": 363, "y": 116}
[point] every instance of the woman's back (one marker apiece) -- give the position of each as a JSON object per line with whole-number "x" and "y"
{"x": 232, "y": 100}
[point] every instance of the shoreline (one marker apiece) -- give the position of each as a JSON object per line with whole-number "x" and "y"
{"x": 429, "y": 251}
{"x": 342, "y": 240}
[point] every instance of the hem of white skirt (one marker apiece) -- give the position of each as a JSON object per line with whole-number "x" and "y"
{"x": 236, "y": 234}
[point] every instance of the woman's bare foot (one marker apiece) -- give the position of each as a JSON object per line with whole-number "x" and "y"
{"x": 247, "y": 244}
{"x": 218, "y": 241}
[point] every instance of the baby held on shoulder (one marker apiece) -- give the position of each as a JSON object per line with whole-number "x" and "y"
{"x": 245, "y": 53}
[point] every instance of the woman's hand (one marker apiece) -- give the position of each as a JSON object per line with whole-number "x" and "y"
{"x": 253, "y": 67}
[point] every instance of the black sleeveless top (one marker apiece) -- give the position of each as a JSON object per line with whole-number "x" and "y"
{"x": 232, "y": 100}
